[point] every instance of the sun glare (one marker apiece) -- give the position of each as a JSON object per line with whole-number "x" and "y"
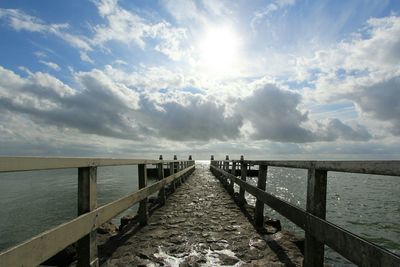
{"x": 218, "y": 50}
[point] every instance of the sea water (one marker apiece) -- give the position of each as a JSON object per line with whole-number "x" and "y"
{"x": 367, "y": 205}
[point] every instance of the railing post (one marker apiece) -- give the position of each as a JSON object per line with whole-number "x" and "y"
{"x": 160, "y": 174}
{"x": 87, "y": 201}
{"x": 176, "y": 164}
{"x": 316, "y": 205}
{"x": 232, "y": 183}
{"x": 226, "y": 163}
{"x": 243, "y": 176}
{"x": 259, "y": 211}
{"x": 171, "y": 172}
{"x": 143, "y": 211}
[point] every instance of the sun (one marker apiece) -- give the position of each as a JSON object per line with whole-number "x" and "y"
{"x": 218, "y": 50}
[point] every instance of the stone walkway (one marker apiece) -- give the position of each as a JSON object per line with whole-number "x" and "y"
{"x": 200, "y": 225}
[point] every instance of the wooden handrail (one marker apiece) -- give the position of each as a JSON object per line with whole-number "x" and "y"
{"x": 12, "y": 164}
{"x": 318, "y": 230}
{"x": 378, "y": 167}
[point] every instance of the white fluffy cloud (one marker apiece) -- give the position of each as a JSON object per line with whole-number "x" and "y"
{"x": 128, "y": 27}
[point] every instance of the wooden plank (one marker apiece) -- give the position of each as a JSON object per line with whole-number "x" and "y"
{"x": 385, "y": 167}
{"x": 349, "y": 245}
{"x": 391, "y": 168}
{"x": 143, "y": 209}
{"x": 38, "y": 249}
{"x": 261, "y": 183}
{"x": 10, "y": 164}
{"x": 87, "y": 201}
{"x": 316, "y": 205}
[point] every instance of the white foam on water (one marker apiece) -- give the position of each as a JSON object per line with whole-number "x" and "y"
{"x": 168, "y": 259}
{"x": 211, "y": 257}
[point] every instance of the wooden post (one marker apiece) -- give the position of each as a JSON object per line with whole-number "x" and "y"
{"x": 226, "y": 164}
{"x": 171, "y": 172}
{"x": 316, "y": 205}
{"x": 232, "y": 183}
{"x": 143, "y": 211}
{"x": 87, "y": 201}
{"x": 243, "y": 176}
{"x": 259, "y": 211}
{"x": 161, "y": 193}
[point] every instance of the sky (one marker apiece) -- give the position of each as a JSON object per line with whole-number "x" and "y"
{"x": 280, "y": 79}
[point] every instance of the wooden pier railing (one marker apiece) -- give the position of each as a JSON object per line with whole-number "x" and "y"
{"x": 318, "y": 231}
{"x": 82, "y": 229}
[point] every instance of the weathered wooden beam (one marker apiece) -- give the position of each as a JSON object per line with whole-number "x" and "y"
{"x": 261, "y": 183}
{"x": 143, "y": 209}
{"x": 352, "y": 247}
{"x": 231, "y": 188}
{"x": 243, "y": 176}
{"x": 382, "y": 167}
{"x": 10, "y": 164}
{"x": 87, "y": 201}
{"x": 160, "y": 174}
{"x": 316, "y": 205}
{"x": 226, "y": 164}
{"x": 172, "y": 171}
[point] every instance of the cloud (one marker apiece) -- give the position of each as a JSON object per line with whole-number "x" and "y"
{"x": 365, "y": 71}
{"x": 274, "y": 114}
{"x": 334, "y": 129}
{"x": 101, "y": 107}
{"x": 381, "y": 101}
{"x": 380, "y": 35}
{"x": 193, "y": 117}
{"x": 259, "y": 15}
{"x": 51, "y": 65}
{"x": 19, "y": 20}
{"x": 129, "y": 28}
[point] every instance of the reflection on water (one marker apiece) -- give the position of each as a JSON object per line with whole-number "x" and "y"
{"x": 368, "y": 205}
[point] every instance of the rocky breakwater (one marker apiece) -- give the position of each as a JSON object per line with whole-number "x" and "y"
{"x": 201, "y": 225}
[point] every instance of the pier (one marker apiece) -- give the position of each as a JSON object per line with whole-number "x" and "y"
{"x": 200, "y": 217}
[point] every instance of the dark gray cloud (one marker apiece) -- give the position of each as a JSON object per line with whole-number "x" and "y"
{"x": 195, "y": 118}
{"x": 275, "y": 115}
{"x": 335, "y": 129}
{"x": 381, "y": 101}
{"x": 101, "y": 107}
